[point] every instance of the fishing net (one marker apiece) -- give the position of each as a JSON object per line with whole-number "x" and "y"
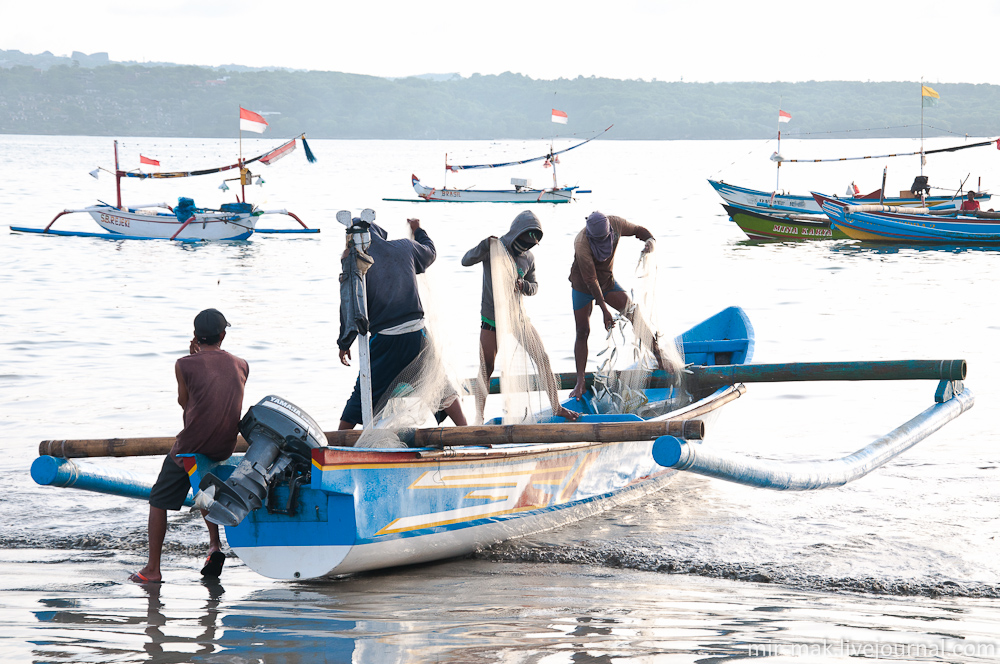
{"x": 634, "y": 350}
{"x": 525, "y": 370}
{"x": 424, "y": 388}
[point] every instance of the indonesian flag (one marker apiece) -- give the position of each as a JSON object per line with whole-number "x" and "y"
{"x": 147, "y": 160}
{"x": 559, "y": 116}
{"x": 783, "y": 116}
{"x": 250, "y": 121}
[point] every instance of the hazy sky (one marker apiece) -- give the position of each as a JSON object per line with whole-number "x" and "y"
{"x": 700, "y": 40}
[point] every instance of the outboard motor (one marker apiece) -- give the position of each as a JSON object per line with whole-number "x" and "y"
{"x": 281, "y": 438}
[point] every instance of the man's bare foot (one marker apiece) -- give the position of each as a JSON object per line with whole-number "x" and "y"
{"x": 566, "y": 413}
{"x": 578, "y": 391}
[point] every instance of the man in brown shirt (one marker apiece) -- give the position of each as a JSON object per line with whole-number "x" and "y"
{"x": 593, "y": 280}
{"x": 210, "y": 384}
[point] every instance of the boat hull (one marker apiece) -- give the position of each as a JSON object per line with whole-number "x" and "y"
{"x": 147, "y": 224}
{"x": 524, "y": 195}
{"x": 754, "y": 198}
{"x": 764, "y": 225}
{"x": 912, "y": 228}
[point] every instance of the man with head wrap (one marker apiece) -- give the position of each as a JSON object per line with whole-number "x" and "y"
{"x": 525, "y": 232}
{"x": 593, "y": 280}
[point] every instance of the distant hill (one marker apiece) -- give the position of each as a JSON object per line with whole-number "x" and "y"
{"x": 89, "y": 95}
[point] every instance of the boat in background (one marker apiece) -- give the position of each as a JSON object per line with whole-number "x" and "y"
{"x": 883, "y": 223}
{"x": 763, "y": 224}
{"x": 186, "y": 222}
{"x": 767, "y": 201}
{"x": 523, "y": 191}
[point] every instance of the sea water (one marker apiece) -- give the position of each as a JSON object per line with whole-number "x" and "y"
{"x": 902, "y": 564}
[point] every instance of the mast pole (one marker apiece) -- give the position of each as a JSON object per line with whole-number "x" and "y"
{"x": 118, "y": 178}
{"x": 921, "y": 125}
{"x": 777, "y": 180}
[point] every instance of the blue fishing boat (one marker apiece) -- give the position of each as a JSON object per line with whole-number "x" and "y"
{"x": 881, "y": 223}
{"x": 767, "y": 200}
{"x": 302, "y": 504}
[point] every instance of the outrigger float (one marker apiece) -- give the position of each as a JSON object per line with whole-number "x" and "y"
{"x": 183, "y": 222}
{"x": 300, "y": 504}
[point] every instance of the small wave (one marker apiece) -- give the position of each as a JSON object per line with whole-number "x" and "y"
{"x": 642, "y": 559}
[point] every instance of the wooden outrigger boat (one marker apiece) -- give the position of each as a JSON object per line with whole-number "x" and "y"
{"x": 766, "y": 201}
{"x": 325, "y": 507}
{"x": 183, "y": 222}
{"x": 883, "y": 223}
{"x": 523, "y": 191}
{"x": 763, "y": 224}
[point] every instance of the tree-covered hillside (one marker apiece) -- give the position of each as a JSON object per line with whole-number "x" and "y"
{"x": 136, "y": 100}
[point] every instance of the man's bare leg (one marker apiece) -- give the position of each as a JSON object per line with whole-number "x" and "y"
{"x": 157, "y": 527}
{"x": 532, "y": 343}
{"x": 580, "y": 350}
{"x": 487, "y": 360}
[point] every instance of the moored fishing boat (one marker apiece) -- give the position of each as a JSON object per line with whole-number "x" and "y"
{"x": 762, "y": 224}
{"x": 880, "y": 223}
{"x": 186, "y": 222}
{"x": 767, "y": 201}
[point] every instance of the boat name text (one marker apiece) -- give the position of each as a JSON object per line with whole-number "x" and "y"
{"x": 113, "y": 220}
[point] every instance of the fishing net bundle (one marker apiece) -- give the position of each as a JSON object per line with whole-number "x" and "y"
{"x": 635, "y": 350}
{"x": 524, "y": 366}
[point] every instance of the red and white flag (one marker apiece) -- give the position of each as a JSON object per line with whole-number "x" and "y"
{"x": 147, "y": 160}
{"x": 559, "y": 116}
{"x": 250, "y": 121}
{"x": 783, "y": 116}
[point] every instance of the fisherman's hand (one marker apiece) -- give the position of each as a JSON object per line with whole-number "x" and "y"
{"x": 194, "y": 346}
{"x": 519, "y": 285}
{"x": 650, "y": 245}
{"x": 414, "y": 223}
{"x": 345, "y": 355}
{"x": 609, "y": 320}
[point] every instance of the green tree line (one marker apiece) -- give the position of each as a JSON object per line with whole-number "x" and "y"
{"x": 186, "y": 101}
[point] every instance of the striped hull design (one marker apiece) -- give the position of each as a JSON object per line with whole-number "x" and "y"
{"x": 917, "y": 229}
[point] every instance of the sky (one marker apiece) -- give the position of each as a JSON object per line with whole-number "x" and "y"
{"x": 699, "y": 41}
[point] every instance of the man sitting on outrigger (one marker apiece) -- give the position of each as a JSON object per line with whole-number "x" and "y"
{"x": 525, "y": 232}
{"x": 593, "y": 280}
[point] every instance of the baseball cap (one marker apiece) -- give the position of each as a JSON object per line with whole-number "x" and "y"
{"x": 209, "y": 323}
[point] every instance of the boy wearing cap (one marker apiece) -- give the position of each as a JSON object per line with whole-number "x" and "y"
{"x": 210, "y": 385}
{"x": 592, "y": 279}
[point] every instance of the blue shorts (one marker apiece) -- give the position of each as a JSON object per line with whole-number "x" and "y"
{"x": 580, "y": 300}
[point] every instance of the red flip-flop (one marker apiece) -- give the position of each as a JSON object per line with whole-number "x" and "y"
{"x": 213, "y": 565}
{"x": 140, "y": 578}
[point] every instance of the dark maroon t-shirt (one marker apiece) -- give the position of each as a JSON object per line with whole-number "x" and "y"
{"x": 215, "y": 380}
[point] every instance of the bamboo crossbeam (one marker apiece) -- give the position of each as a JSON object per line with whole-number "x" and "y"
{"x": 431, "y": 437}
{"x": 700, "y": 376}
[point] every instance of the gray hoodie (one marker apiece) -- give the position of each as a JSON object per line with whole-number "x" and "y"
{"x": 525, "y": 262}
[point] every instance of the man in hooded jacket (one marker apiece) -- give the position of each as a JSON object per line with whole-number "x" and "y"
{"x": 525, "y": 232}
{"x": 395, "y": 315}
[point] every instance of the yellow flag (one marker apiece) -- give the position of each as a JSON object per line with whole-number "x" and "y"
{"x": 928, "y": 92}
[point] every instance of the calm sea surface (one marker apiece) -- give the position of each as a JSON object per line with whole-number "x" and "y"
{"x": 903, "y": 564}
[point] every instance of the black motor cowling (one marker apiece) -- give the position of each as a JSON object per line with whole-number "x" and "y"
{"x": 281, "y": 438}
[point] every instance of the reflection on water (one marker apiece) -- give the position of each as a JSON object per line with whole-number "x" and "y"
{"x": 461, "y": 612}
